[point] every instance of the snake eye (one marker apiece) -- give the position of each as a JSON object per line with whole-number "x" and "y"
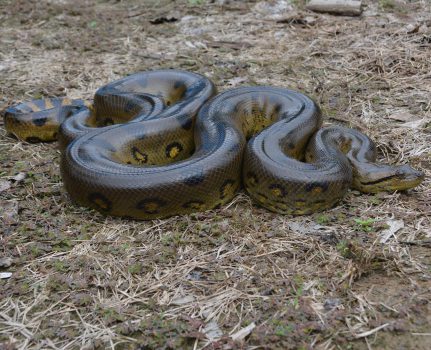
{"x": 39, "y": 121}
{"x": 130, "y": 106}
{"x": 187, "y": 123}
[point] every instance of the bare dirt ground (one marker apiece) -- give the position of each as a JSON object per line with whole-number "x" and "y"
{"x": 239, "y": 277}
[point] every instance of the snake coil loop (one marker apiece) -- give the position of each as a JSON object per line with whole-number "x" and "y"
{"x": 158, "y": 143}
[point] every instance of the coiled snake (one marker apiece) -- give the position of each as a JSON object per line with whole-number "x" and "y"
{"x": 156, "y": 144}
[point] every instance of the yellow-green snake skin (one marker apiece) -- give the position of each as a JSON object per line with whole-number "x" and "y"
{"x": 158, "y": 143}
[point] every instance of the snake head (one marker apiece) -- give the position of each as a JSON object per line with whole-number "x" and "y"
{"x": 376, "y": 178}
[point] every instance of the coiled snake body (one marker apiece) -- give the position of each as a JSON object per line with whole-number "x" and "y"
{"x": 173, "y": 148}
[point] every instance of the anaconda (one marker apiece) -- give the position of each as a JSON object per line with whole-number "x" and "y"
{"x": 162, "y": 143}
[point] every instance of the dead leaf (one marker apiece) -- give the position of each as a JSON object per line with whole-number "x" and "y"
{"x": 402, "y": 116}
{"x": 212, "y": 330}
{"x": 243, "y": 332}
{"x": 236, "y": 81}
{"x": 415, "y": 124}
{"x": 394, "y": 227}
{"x": 306, "y": 228}
{"x": 183, "y": 300}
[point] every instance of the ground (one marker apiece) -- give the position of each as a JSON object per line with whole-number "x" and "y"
{"x": 239, "y": 277}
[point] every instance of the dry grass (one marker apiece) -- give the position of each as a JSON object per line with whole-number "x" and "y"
{"x": 239, "y": 277}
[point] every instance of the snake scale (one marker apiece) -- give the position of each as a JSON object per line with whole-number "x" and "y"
{"x": 162, "y": 143}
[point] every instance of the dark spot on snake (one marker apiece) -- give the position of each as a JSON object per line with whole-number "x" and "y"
{"x": 283, "y": 209}
{"x": 316, "y": 187}
{"x": 100, "y": 201}
{"x": 130, "y": 106}
{"x": 39, "y": 121}
{"x": 55, "y": 135}
{"x": 140, "y": 157}
{"x": 173, "y": 149}
{"x": 261, "y": 197}
{"x": 197, "y": 205}
{"x": 309, "y": 157}
{"x": 217, "y": 206}
{"x": 277, "y": 108}
{"x": 235, "y": 148}
{"x": 108, "y": 121}
{"x": 291, "y": 145}
{"x": 186, "y": 123}
{"x": 178, "y": 84}
{"x": 33, "y": 139}
{"x": 227, "y": 188}
{"x": 194, "y": 180}
{"x": 151, "y": 205}
{"x": 252, "y": 179}
{"x": 277, "y": 190}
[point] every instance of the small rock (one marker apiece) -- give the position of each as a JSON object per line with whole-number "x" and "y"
{"x": 4, "y": 185}
{"x": 5, "y": 262}
{"x": 402, "y": 116}
{"x": 19, "y": 177}
{"x": 331, "y": 304}
{"x": 273, "y": 10}
{"x": 194, "y": 276}
{"x": 5, "y": 275}
{"x": 212, "y": 330}
{"x": 8, "y": 211}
